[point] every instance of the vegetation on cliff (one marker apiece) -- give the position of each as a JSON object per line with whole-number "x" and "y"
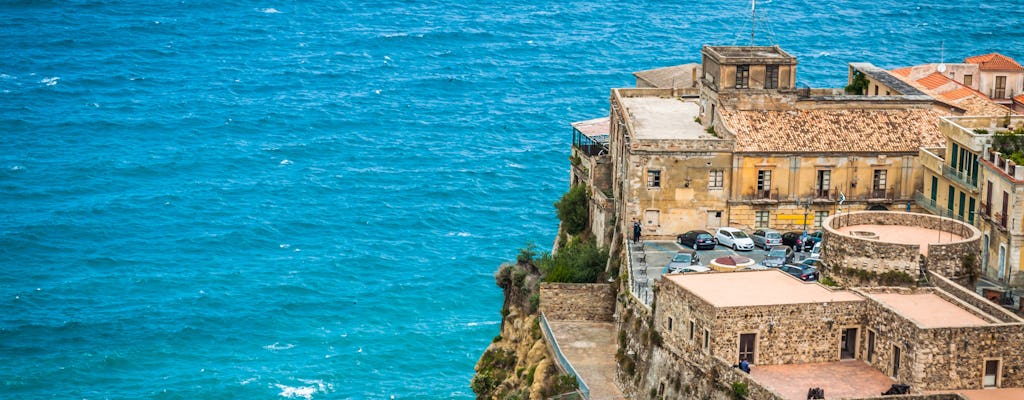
{"x": 517, "y": 364}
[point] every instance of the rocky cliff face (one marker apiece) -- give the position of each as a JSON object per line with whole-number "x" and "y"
{"x": 518, "y": 364}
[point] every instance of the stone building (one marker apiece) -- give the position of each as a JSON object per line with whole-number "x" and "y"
{"x": 933, "y": 339}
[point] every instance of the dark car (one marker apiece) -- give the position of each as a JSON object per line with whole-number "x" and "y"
{"x": 779, "y": 256}
{"x": 813, "y": 262}
{"x": 800, "y": 271}
{"x": 796, "y": 240}
{"x": 697, "y": 240}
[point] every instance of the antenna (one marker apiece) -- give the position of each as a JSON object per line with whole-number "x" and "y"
{"x": 942, "y": 60}
{"x": 753, "y": 20}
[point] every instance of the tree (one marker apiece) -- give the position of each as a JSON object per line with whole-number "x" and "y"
{"x": 573, "y": 209}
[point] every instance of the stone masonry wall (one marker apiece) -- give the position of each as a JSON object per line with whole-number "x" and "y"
{"x": 577, "y": 301}
{"x": 954, "y": 358}
{"x": 786, "y": 334}
{"x": 849, "y": 251}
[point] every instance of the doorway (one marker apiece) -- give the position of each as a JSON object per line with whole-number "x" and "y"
{"x": 991, "y": 374}
{"x": 848, "y": 344}
{"x": 747, "y": 342}
{"x": 714, "y": 219}
{"x": 895, "y": 362}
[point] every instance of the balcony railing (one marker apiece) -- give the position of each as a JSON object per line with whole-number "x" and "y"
{"x": 822, "y": 193}
{"x": 960, "y": 177}
{"x": 930, "y": 205}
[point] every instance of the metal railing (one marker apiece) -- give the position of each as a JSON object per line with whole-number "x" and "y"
{"x": 934, "y": 208}
{"x": 960, "y": 176}
{"x": 639, "y": 282}
{"x": 564, "y": 362}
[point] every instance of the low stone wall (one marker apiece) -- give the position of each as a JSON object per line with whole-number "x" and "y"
{"x": 578, "y": 301}
{"x": 874, "y": 257}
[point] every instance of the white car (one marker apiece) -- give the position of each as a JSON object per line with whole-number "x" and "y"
{"x": 734, "y": 238}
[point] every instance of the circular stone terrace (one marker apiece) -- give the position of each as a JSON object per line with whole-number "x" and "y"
{"x": 886, "y": 240}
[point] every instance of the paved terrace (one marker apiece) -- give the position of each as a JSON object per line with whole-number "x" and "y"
{"x": 839, "y": 380}
{"x": 658, "y": 118}
{"x": 590, "y": 348}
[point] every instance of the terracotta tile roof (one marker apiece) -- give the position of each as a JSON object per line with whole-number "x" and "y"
{"x": 955, "y": 94}
{"x": 994, "y": 62}
{"x": 934, "y": 80}
{"x": 1019, "y": 99}
{"x": 902, "y": 71}
{"x": 829, "y": 130}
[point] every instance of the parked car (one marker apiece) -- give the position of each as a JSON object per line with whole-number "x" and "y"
{"x": 779, "y": 256}
{"x": 734, "y": 238}
{"x": 816, "y": 251}
{"x": 697, "y": 240}
{"x": 800, "y": 271}
{"x": 766, "y": 238}
{"x": 813, "y": 262}
{"x": 814, "y": 237}
{"x": 682, "y": 259}
{"x": 795, "y": 239}
{"x": 692, "y": 268}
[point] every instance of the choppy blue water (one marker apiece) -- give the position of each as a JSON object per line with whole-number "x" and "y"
{"x": 235, "y": 199}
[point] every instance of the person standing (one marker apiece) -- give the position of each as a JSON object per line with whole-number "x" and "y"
{"x": 636, "y": 231}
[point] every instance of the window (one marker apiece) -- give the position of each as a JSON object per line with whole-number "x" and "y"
{"x": 670, "y": 324}
{"x": 707, "y": 339}
{"x": 824, "y": 182}
{"x": 691, "y": 330}
{"x": 1000, "y": 91}
{"x": 761, "y": 219}
{"x": 654, "y": 178}
{"x": 764, "y": 183}
{"x": 895, "y": 361}
{"x": 771, "y": 76}
{"x": 935, "y": 188}
{"x": 878, "y": 183}
{"x": 950, "y": 199}
{"x": 716, "y": 179}
{"x": 742, "y": 76}
{"x": 970, "y": 211}
{"x": 819, "y": 217}
{"x": 968, "y": 80}
{"x": 876, "y": 90}
{"x": 871, "y": 346}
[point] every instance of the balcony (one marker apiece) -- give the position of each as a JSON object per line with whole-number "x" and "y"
{"x": 930, "y": 205}
{"x": 931, "y": 158}
{"x": 964, "y": 179}
{"x": 1000, "y": 162}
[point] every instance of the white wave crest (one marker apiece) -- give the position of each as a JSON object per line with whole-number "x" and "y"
{"x": 278, "y": 346}
{"x": 305, "y": 392}
{"x": 483, "y": 323}
{"x": 269, "y": 11}
{"x": 50, "y": 81}
{"x": 286, "y": 162}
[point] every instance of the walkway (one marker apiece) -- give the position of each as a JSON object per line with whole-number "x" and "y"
{"x": 590, "y": 347}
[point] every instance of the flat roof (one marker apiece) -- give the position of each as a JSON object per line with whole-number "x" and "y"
{"x": 664, "y": 118}
{"x": 928, "y": 310}
{"x": 993, "y": 394}
{"x": 755, "y": 288}
{"x": 749, "y": 54}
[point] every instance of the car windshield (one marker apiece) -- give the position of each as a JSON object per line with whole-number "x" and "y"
{"x": 681, "y": 257}
{"x": 772, "y": 235}
{"x": 703, "y": 236}
{"x": 739, "y": 234}
{"x": 777, "y": 253}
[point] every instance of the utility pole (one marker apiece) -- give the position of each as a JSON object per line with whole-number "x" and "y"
{"x": 753, "y": 20}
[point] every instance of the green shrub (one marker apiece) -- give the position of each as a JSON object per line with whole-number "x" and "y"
{"x": 534, "y": 302}
{"x": 740, "y": 390}
{"x": 483, "y": 384}
{"x": 577, "y": 262}
{"x": 527, "y": 253}
{"x": 858, "y": 84}
{"x": 573, "y": 209}
{"x": 828, "y": 281}
{"x": 503, "y": 277}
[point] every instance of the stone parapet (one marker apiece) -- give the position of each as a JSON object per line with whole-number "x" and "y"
{"x": 578, "y": 301}
{"x": 972, "y": 298}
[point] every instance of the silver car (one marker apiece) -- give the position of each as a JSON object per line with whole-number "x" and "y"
{"x": 766, "y": 238}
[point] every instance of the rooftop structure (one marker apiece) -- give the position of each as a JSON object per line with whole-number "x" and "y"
{"x": 750, "y": 288}
{"x": 676, "y": 76}
{"x": 664, "y": 118}
{"x": 749, "y": 54}
{"x": 884, "y": 77}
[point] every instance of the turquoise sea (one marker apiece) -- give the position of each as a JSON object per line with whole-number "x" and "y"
{"x": 307, "y": 199}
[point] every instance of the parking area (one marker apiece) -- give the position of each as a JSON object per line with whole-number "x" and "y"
{"x": 658, "y": 253}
